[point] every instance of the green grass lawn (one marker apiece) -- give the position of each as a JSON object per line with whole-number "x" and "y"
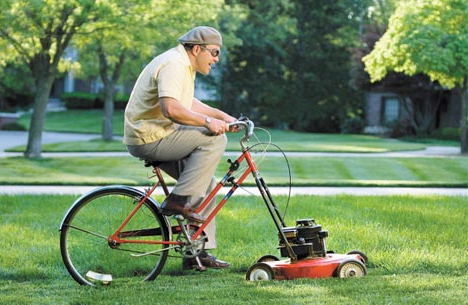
{"x": 286, "y": 140}
{"x": 81, "y": 121}
{"x": 305, "y": 171}
{"x": 416, "y": 247}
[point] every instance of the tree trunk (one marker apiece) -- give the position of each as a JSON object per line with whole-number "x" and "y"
{"x": 425, "y": 110}
{"x": 107, "y": 133}
{"x": 109, "y": 78}
{"x": 41, "y": 97}
{"x": 464, "y": 118}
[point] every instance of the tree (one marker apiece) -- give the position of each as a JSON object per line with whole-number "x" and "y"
{"x": 292, "y": 69}
{"x": 128, "y": 36}
{"x": 428, "y": 37}
{"x": 36, "y": 33}
{"x": 417, "y": 91}
{"x": 320, "y": 65}
{"x": 372, "y": 17}
{"x": 253, "y": 78}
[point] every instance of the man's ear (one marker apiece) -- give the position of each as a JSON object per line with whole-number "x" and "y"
{"x": 195, "y": 50}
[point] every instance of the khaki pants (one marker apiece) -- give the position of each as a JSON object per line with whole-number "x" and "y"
{"x": 190, "y": 155}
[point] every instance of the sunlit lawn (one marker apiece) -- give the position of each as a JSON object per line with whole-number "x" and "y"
{"x": 416, "y": 248}
{"x": 305, "y": 171}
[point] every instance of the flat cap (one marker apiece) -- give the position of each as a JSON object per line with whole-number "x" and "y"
{"x": 202, "y": 35}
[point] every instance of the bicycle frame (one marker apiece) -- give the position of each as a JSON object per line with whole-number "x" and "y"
{"x": 118, "y": 236}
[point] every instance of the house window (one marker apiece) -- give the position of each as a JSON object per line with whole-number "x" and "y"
{"x": 390, "y": 109}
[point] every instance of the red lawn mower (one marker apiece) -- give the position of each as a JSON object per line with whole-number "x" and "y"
{"x": 304, "y": 245}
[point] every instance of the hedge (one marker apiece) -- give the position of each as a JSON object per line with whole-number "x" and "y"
{"x": 84, "y": 100}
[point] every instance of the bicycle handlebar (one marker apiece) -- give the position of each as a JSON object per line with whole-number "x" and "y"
{"x": 248, "y": 125}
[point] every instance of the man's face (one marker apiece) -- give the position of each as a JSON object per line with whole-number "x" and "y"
{"x": 206, "y": 56}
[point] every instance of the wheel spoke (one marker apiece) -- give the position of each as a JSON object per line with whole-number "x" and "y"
{"x": 87, "y": 231}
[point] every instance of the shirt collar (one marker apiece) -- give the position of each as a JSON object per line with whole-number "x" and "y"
{"x": 185, "y": 58}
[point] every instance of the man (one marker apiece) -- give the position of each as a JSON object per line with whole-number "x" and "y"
{"x": 165, "y": 122}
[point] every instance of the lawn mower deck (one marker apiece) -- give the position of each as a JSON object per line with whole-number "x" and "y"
{"x": 308, "y": 257}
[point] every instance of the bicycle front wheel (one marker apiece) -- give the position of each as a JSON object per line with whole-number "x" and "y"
{"x": 88, "y": 254}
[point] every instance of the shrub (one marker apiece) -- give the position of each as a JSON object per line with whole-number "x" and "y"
{"x": 79, "y": 100}
{"x": 448, "y": 133}
{"x": 83, "y": 100}
{"x": 353, "y": 125}
{"x": 401, "y": 129}
{"x": 13, "y": 126}
{"x": 120, "y": 100}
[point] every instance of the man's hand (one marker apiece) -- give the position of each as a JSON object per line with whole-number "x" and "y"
{"x": 231, "y": 119}
{"x": 217, "y": 127}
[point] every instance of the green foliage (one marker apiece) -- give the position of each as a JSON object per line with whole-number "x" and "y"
{"x": 39, "y": 31}
{"x": 15, "y": 94}
{"x": 36, "y": 34}
{"x": 448, "y": 133}
{"x": 128, "y": 35}
{"x": 85, "y": 100}
{"x": 255, "y": 72}
{"x": 13, "y": 126}
{"x": 429, "y": 37}
{"x": 79, "y": 100}
{"x": 352, "y": 125}
{"x": 293, "y": 58}
{"x": 319, "y": 90}
{"x": 125, "y": 38}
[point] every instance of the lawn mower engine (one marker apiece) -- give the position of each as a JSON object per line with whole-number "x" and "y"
{"x": 304, "y": 245}
{"x": 307, "y": 240}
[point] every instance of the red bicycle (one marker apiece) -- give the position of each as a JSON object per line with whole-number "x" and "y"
{"x": 117, "y": 233}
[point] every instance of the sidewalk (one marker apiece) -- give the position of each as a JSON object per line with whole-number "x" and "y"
{"x": 9, "y": 139}
{"x": 16, "y": 138}
{"x": 317, "y": 191}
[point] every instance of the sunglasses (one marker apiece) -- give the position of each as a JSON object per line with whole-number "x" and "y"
{"x": 213, "y": 52}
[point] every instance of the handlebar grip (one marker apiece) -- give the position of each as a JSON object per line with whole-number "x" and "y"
{"x": 248, "y": 125}
{"x": 238, "y": 123}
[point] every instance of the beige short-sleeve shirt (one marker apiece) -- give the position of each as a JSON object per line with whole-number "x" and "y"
{"x": 167, "y": 75}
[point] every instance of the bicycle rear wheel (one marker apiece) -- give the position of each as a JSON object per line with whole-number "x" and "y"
{"x": 88, "y": 255}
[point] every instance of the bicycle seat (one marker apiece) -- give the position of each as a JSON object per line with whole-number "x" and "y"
{"x": 149, "y": 163}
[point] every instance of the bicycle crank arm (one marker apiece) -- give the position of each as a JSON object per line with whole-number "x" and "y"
{"x": 153, "y": 252}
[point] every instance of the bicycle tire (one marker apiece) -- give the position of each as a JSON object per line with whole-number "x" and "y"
{"x": 84, "y": 232}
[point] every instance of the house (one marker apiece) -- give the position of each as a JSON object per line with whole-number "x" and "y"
{"x": 384, "y": 109}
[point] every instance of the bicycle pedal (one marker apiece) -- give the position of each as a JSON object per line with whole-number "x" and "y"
{"x": 199, "y": 266}
{"x": 179, "y": 217}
